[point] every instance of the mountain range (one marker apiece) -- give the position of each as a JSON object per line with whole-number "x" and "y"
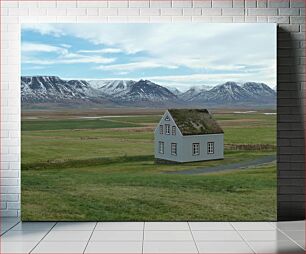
{"x": 54, "y": 90}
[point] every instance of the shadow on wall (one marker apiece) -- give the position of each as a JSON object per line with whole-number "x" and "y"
{"x": 290, "y": 129}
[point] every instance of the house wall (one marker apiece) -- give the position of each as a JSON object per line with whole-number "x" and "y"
{"x": 167, "y": 139}
{"x": 289, "y": 14}
{"x": 186, "y": 147}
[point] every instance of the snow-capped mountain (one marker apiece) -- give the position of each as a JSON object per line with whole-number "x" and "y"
{"x": 258, "y": 89}
{"x": 189, "y": 94}
{"x": 233, "y": 93}
{"x": 52, "y": 89}
{"x": 112, "y": 87}
{"x": 228, "y": 92}
{"x": 147, "y": 91}
{"x": 193, "y": 91}
{"x": 174, "y": 90}
{"x": 130, "y": 91}
{"x": 97, "y": 84}
{"x": 42, "y": 89}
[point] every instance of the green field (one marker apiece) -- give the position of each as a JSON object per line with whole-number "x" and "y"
{"x": 103, "y": 169}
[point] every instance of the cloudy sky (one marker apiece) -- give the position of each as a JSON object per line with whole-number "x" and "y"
{"x": 178, "y": 55}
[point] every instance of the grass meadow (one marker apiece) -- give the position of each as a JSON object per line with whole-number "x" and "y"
{"x": 89, "y": 168}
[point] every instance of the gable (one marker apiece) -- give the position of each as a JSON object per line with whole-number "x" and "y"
{"x": 167, "y": 119}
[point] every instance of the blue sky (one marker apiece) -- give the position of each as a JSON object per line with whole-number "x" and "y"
{"x": 177, "y": 55}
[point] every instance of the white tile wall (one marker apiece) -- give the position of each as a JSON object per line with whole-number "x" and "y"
{"x": 288, "y": 12}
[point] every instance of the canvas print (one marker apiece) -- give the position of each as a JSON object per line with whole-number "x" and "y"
{"x": 148, "y": 122}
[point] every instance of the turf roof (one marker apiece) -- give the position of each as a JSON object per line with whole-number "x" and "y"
{"x": 195, "y": 121}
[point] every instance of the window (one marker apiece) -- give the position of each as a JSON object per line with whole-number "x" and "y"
{"x": 195, "y": 148}
{"x": 161, "y": 129}
{"x": 167, "y": 118}
{"x": 161, "y": 147}
{"x": 173, "y": 130}
{"x": 173, "y": 148}
{"x": 167, "y": 126}
{"x": 210, "y": 147}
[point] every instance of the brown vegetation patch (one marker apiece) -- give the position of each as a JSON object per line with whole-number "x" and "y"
{"x": 137, "y": 129}
{"x": 250, "y": 147}
{"x": 73, "y": 113}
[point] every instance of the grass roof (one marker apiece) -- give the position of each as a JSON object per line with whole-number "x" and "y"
{"x": 195, "y": 121}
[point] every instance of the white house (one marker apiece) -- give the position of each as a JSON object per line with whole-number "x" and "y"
{"x": 186, "y": 135}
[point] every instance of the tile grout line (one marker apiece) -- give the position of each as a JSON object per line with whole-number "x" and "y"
{"x": 291, "y": 239}
{"x": 90, "y": 236}
{"x": 193, "y": 237}
{"x": 143, "y": 232}
{"x": 42, "y": 238}
{"x": 244, "y": 240}
{"x": 273, "y": 225}
{"x": 14, "y": 225}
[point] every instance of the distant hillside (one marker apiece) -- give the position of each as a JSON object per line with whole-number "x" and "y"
{"x": 145, "y": 93}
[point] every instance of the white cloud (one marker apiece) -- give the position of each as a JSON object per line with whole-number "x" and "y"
{"x": 37, "y": 61}
{"x": 192, "y": 40}
{"x": 61, "y": 55}
{"x": 35, "y": 67}
{"x": 234, "y": 50}
{"x": 64, "y": 45}
{"x": 44, "y": 28}
{"x": 135, "y": 66}
{"x": 40, "y": 47}
{"x": 104, "y": 51}
{"x": 69, "y": 60}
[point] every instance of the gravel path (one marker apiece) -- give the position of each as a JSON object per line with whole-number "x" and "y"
{"x": 242, "y": 164}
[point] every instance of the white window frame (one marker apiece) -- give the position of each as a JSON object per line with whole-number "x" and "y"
{"x": 167, "y": 129}
{"x": 173, "y": 148}
{"x": 167, "y": 118}
{"x": 161, "y": 147}
{"x": 173, "y": 130}
{"x": 195, "y": 149}
{"x": 161, "y": 129}
{"x": 210, "y": 147}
